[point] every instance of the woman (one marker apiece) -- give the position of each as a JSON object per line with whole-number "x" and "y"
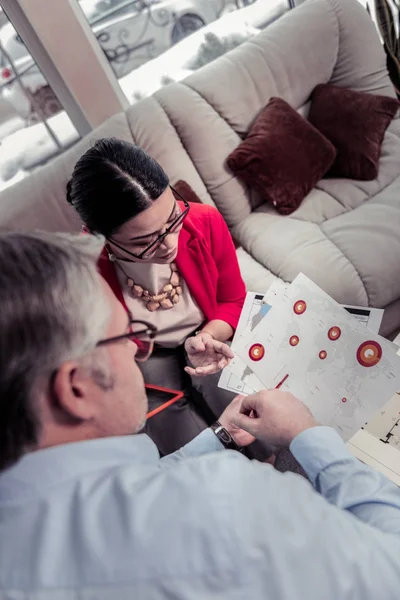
{"x": 170, "y": 263}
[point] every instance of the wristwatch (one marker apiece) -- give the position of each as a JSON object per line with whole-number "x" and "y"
{"x": 225, "y": 437}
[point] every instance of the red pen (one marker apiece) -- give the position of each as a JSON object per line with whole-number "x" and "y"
{"x": 281, "y": 382}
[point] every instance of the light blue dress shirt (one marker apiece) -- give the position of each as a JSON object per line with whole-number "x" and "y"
{"x": 108, "y": 520}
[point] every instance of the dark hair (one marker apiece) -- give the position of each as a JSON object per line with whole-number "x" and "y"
{"x": 113, "y": 182}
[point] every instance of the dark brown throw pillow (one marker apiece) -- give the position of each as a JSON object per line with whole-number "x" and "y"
{"x": 355, "y": 123}
{"x": 186, "y": 192}
{"x": 283, "y": 156}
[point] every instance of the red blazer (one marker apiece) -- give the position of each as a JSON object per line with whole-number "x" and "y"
{"x": 207, "y": 262}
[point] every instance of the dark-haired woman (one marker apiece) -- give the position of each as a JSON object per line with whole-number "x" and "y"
{"x": 170, "y": 263}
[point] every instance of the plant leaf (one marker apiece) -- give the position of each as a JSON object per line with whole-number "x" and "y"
{"x": 386, "y": 25}
{"x": 393, "y": 65}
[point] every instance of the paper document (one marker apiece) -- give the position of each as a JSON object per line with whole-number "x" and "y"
{"x": 238, "y": 378}
{"x": 378, "y": 443}
{"x": 309, "y": 345}
{"x": 370, "y": 317}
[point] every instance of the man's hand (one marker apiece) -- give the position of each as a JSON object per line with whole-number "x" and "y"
{"x": 228, "y": 421}
{"x": 207, "y": 355}
{"x": 276, "y": 417}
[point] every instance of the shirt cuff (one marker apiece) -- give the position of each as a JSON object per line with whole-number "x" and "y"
{"x": 317, "y": 448}
{"x": 204, "y": 443}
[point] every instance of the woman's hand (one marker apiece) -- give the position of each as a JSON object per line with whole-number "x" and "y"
{"x": 207, "y": 355}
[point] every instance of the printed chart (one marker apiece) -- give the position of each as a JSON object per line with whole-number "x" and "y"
{"x": 326, "y": 357}
{"x": 238, "y": 378}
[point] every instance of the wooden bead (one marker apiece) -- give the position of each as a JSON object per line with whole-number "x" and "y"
{"x": 174, "y": 279}
{"x": 159, "y": 297}
{"x": 137, "y": 291}
{"x": 152, "y": 306}
{"x": 166, "y": 299}
{"x": 166, "y": 303}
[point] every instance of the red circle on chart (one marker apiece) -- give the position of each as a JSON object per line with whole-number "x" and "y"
{"x": 323, "y": 354}
{"x": 294, "y": 340}
{"x": 256, "y": 352}
{"x": 369, "y": 353}
{"x": 344, "y": 399}
{"x": 334, "y": 333}
{"x": 300, "y": 307}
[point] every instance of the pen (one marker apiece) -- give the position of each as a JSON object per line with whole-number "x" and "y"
{"x": 281, "y": 382}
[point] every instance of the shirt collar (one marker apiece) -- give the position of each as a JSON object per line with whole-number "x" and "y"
{"x": 36, "y": 471}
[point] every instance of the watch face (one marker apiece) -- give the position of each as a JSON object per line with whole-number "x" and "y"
{"x": 224, "y": 436}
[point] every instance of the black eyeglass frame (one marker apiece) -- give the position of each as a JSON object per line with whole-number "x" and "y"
{"x": 160, "y": 238}
{"x": 148, "y": 330}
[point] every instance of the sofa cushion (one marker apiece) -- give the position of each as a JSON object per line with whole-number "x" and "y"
{"x": 355, "y": 123}
{"x": 256, "y": 277}
{"x": 288, "y": 246}
{"x": 369, "y": 237}
{"x": 283, "y": 157}
{"x": 39, "y": 201}
{"x": 333, "y": 197}
{"x": 353, "y": 256}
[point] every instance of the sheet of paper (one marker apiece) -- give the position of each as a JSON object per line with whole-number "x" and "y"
{"x": 382, "y": 457}
{"x": 369, "y": 317}
{"x": 237, "y": 377}
{"x": 378, "y": 443}
{"x": 311, "y": 346}
{"x": 276, "y": 289}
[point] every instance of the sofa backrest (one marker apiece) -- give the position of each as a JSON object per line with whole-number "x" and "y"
{"x": 190, "y": 127}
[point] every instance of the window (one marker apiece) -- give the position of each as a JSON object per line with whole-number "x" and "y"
{"x": 150, "y": 43}
{"x": 142, "y": 46}
{"x": 33, "y": 125}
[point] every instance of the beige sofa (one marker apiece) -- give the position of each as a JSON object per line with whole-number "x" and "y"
{"x": 346, "y": 234}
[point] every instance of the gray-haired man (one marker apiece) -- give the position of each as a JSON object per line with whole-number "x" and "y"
{"x": 85, "y": 515}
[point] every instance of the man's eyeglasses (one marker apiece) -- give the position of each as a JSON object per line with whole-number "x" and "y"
{"x": 153, "y": 247}
{"x": 142, "y": 333}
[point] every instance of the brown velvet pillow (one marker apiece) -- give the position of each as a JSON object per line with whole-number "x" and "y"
{"x": 355, "y": 123}
{"x": 283, "y": 156}
{"x": 186, "y": 192}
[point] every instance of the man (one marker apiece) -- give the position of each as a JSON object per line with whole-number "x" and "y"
{"x": 86, "y": 514}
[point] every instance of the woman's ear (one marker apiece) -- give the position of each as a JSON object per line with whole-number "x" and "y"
{"x": 75, "y": 391}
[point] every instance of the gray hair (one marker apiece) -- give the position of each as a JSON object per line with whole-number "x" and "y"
{"x": 52, "y": 309}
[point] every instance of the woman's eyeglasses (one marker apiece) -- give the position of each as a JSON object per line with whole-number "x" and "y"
{"x": 142, "y": 333}
{"x": 153, "y": 247}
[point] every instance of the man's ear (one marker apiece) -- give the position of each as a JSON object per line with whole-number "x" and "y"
{"x": 75, "y": 391}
